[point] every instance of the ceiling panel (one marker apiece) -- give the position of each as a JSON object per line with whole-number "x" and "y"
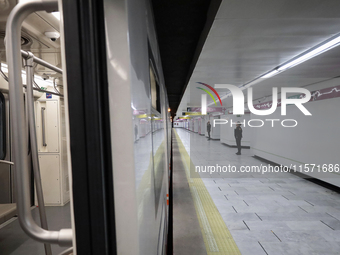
{"x": 262, "y": 28}
{"x": 250, "y": 37}
{"x": 275, "y": 9}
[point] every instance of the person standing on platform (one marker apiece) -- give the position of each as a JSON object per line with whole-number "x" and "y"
{"x": 208, "y": 129}
{"x": 136, "y": 133}
{"x": 238, "y": 137}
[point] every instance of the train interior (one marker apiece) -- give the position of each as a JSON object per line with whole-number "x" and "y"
{"x": 50, "y": 126}
{"x": 141, "y": 176}
{"x": 89, "y": 141}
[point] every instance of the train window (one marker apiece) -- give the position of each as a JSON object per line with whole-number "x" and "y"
{"x": 2, "y": 127}
{"x": 155, "y": 93}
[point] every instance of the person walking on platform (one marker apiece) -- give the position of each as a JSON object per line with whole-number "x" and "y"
{"x": 238, "y": 137}
{"x": 208, "y": 129}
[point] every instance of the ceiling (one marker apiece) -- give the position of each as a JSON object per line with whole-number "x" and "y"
{"x": 250, "y": 37}
{"x": 181, "y": 27}
{"x": 32, "y": 35}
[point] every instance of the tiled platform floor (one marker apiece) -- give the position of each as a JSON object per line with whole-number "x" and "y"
{"x": 276, "y": 213}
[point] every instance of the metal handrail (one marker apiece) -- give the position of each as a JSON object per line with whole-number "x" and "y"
{"x": 67, "y": 252}
{"x": 46, "y": 91}
{"x": 7, "y": 162}
{"x": 13, "y": 44}
{"x": 36, "y": 85}
{"x": 39, "y": 61}
{"x": 25, "y": 54}
{"x": 34, "y": 147}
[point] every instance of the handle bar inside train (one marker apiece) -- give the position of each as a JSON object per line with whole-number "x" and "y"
{"x": 62, "y": 237}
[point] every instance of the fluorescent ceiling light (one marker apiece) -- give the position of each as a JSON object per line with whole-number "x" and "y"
{"x": 322, "y": 48}
{"x": 38, "y": 79}
{"x": 56, "y": 14}
{"x": 270, "y": 74}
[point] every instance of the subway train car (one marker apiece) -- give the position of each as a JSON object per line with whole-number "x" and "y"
{"x": 85, "y": 129}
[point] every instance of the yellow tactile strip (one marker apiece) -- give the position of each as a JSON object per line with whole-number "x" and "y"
{"x": 216, "y": 235}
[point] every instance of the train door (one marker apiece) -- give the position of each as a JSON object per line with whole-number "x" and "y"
{"x": 5, "y": 167}
{"x": 89, "y": 127}
{"x": 7, "y": 205}
{"x": 7, "y": 184}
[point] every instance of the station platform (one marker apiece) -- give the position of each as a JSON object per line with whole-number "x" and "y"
{"x": 248, "y": 214}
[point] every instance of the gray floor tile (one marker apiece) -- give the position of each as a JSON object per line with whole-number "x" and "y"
{"x": 288, "y": 248}
{"x": 332, "y": 223}
{"x": 307, "y": 225}
{"x": 300, "y": 236}
{"x": 250, "y": 248}
{"x": 240, "y": 217}
{"x": 288, "y": 205}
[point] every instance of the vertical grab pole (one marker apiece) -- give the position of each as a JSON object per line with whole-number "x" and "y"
{"x": 43, "y": 126}
{"x": 34, "y": 146}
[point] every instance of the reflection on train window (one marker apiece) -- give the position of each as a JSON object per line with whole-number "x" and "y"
{"x": 155, "y": 93}
{"x": 2, "y": 127}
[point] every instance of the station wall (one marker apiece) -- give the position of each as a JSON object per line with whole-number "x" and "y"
{"x": 314, "y": 140}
